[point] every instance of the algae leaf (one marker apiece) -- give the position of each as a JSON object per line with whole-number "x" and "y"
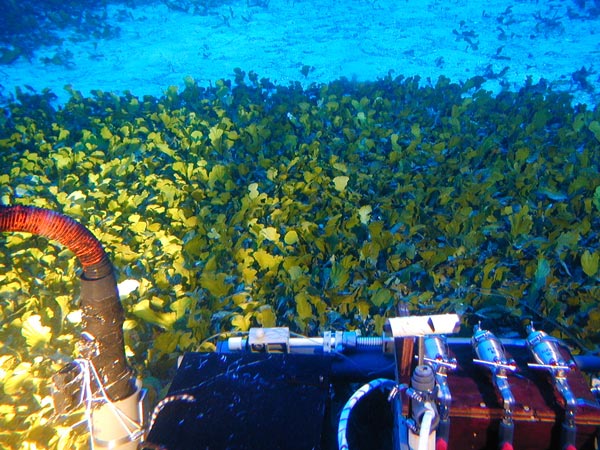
{"x": 215, "y": 283}
{"x": 340, "y": 183}
{"x": 589, "y": 263}
{"x": 521, "y": 222}
{"x": 270, "y": 234}
{"x": 303, "y": 306}
{"x": 34, "y": 332}
{"x": 382, "y": 296}
{"x": 595, "y": 128}
{"x": 364, "y": 213}
{"x": 291, "y": 237}
{"x": 144, "y": 311}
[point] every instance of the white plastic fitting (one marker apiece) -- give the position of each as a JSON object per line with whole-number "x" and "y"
{"x": 119, "y": 425}
{"x": 424, "y": 325}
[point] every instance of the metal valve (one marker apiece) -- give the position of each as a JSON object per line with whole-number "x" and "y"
{"x": 546, "y": 353}
{"x": 436, "y": 353}
{"x": 490, "y": 351}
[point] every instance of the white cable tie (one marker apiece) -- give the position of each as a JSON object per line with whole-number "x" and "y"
{"x": 90, "y": 373}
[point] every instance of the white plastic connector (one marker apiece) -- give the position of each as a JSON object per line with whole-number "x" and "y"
{"x": 236, "y": 344}
{"x": 119, "y": 425}
{"x": 424, "y": 325}
{"x": 269, "y": 340}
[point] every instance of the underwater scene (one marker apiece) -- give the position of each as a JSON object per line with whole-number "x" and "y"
{"x": 291, "y": 163}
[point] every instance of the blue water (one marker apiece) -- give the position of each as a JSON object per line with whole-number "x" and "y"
{"x": 144, "y": 47}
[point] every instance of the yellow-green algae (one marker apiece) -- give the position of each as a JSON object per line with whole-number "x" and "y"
{"x": 249, "y": 204}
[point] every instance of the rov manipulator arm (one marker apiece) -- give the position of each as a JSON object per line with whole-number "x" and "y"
{"x": 101, "y": 342}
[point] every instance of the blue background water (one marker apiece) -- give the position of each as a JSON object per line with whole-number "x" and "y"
{"x": 145, "y": 47}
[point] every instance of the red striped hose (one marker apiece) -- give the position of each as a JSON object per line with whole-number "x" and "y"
{"x": 102, "y": 313}
{"x": 54, "y": 226}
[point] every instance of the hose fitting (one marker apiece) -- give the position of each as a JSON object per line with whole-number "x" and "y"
{"x": 102, "y": 314}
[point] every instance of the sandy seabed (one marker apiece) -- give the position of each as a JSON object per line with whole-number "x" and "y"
{"x": 158, "y": 46}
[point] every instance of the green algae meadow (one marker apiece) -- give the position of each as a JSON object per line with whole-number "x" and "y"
{"x": 253, "y": 204}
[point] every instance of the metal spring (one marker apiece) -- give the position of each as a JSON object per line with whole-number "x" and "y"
{"x": 369, "y": 341}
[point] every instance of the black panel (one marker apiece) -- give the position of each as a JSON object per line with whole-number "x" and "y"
{"x": 244, "y": 401}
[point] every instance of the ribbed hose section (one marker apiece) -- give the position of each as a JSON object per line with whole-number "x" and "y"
{"x": 102, "y": 313}
{"x": 55, "y": 226}
{"x": 364, "y": 342}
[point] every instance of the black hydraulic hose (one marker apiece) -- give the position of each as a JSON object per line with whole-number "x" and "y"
{"x": 102, "y": 313}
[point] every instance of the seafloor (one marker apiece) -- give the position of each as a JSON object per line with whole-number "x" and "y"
{"x": 146, "y": 46}
{"x": 295, "y": 163}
